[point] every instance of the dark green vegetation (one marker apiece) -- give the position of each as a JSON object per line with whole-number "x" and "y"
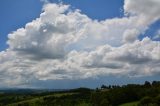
{"x": 147, "y": 94}
{"x": 74, "y": 97}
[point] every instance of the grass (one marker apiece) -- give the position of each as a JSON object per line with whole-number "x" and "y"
{"x": 40, "y": 98}
{"x": 84, "y": 104}
{"x": 130, "y": 104}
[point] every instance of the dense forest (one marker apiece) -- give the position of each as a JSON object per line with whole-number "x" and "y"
{"x": 147, "y": 94}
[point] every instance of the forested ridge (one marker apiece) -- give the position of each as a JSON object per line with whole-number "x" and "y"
{"x": 147, "y": 94}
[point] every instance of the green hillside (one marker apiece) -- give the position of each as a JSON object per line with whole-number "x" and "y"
{"x": 147, "y": 94}
{"x": 130, "y": 104}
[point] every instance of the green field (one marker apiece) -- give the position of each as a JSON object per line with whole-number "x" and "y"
{"x": 126, "y": 95}
{"x": 40, "y": 99}
{"x": 130, "y": 104}
{"x": 73, "y": 97}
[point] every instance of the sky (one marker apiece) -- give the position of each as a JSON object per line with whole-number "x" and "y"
{"x": 78, "y": 43}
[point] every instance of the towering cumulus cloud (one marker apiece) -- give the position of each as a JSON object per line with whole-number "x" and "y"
{"x": 66, "y": 44}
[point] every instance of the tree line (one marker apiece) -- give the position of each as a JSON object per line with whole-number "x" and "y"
{"x": 148, "y": 94}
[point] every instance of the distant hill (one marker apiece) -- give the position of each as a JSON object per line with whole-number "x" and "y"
{"x": 147, "y": 94}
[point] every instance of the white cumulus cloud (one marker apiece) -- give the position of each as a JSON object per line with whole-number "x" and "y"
{"x": 66, "y": 44}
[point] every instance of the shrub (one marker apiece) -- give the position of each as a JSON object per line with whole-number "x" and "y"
{"x": 145, "y": 101}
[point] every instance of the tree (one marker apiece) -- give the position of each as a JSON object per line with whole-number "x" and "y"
{"x": 157, "y": 100}
{"x": 147, "y": 84}
{"x": 103, "y": 87}
{"x": 109, "y": 87}
{"x": 105, "y": 102}
{"x": 156, "y": 83}
{"x": 146, "y": 101}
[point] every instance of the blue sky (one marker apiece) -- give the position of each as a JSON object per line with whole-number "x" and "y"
{"x": 100, "y": 44}
{"x": 17, "y": 13}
